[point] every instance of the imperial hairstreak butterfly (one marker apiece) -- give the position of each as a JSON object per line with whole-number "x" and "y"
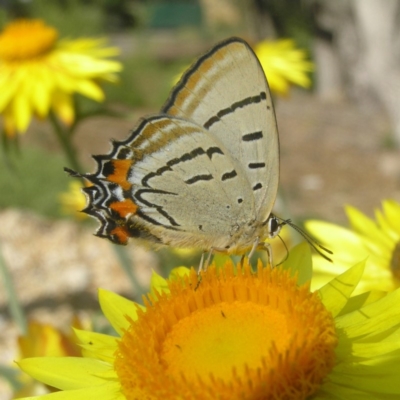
{"x": 203, "y": 172}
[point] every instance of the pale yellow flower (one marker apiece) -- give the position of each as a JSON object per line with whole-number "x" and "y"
{"x": 378, "y": 242}
{"x": 73, "y": 200}
{"x": 237, "y": 335}
{"x": 284, "y": 64}
{"x": 39, "y": 73}
{"x": 44, "y": 340}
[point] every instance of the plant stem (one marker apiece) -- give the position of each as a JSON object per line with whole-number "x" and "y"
{"x": 64, "y": 138}
{"x": 15, "y": 308}
{"x": 126, "y": 264}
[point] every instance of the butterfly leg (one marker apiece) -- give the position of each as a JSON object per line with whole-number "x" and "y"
{"x": 207, "y": 263}
{"x": 267, "y": 247}
{"x": 204, "y": 265}
{"x": 201, "y": 263}
{"x": 253, "y": 249}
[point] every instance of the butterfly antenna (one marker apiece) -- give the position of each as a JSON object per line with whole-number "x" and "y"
{"x": 312, "y": 242}
{"x": 287, "y": 251}
{"x": 73, "y": 173}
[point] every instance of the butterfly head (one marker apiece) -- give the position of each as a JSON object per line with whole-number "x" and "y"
{"x": 273, "y": 226}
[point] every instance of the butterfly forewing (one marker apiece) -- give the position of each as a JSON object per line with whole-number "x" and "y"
{"x": 226, "y": 92}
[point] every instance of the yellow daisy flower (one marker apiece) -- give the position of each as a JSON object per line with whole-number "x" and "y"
{"x": 43, "y": 340}
{"x": 237, "y": 335}
{"x": 376, "y": 241}
{"x": 284, "y": 64}
{"x": 73, "y": 200}
{"x": 39, "y": 73}
{"x": 46, "y": 340}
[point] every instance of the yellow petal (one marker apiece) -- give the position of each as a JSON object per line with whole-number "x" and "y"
{"x": 178, "y": 272}
{"x": 356, "y": 302}
{"x": 85, "y": 66}
{"x": 277, "y": 84}
{"x": 21, "y": 111}
{"x": 63, "y": 107}
{"x": 89, "y": 89}
{"x": 158, "y": 283}
{"x": 66, "y": 373}
{"x": 384, "y": 225}
{"x": 376, "y": 317}
{"x": 109, "y": 391}
{"x": 333, "y": 391}
{"x": 97, "y": 345}
{"x": 367, "y": 227}
{"x": 116, "y": 308}
{"x": 335, "y": 294}
{"x": 346, "y": 245}
{"x": 370, "y": 380}
{"x": 300, "y": 262}
{"x": 392, "y": 212}
{"x": 42, "y": 88}
{"x": 9, "y": 122}
{"x": 9, "y": 85}
{"x": 379, "y": 348}
{"x": 94, "y": 47}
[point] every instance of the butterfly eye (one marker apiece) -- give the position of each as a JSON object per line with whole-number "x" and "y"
{"x": 274, "y": 227}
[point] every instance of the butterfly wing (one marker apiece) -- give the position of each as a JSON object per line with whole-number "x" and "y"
{"x": 203, "y": 174}
{"x": 171, "y": 182}
{"x": 226, "y": 92}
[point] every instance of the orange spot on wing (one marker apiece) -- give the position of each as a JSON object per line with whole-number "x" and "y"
{"x": 124, "y": 208}
{"x": 121, "y": 234}
{"x": 120, "y": 174}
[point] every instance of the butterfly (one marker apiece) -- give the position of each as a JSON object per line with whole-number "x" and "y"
{"x": 202, "y": 173}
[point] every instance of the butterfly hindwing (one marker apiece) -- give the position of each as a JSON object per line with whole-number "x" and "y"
{"x": 226, "y": 92}
{"x": 171, "y": 183}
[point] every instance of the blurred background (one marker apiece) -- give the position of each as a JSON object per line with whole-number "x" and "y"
{"x": 339, "y": 135}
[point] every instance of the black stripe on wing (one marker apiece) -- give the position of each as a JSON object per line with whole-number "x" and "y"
{"x": 256, "y": 165}
{"x": 250, "y": 137}
{"x": 229, "y": 175}
{"x": 197, "y": 178}
{"x": 238, "y": 104}
{"x": 139, "y": 197}
{"x": 199, "y": 151}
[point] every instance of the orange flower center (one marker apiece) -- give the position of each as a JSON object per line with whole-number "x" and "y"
{"x": 209, "y": 341}
{"x": 26, "y": 39}
{"x": 236, "y": 336}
